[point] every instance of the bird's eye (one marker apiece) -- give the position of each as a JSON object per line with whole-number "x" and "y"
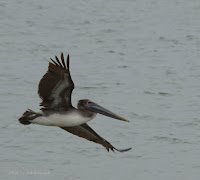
{"x": 90, "y": 103}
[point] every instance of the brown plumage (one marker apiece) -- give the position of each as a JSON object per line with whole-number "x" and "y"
{"x": 88, "y": 133}
{"x": 56, "y": 86}
{"x": 55, "y": 89}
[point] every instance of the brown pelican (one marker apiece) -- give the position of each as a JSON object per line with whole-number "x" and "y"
{"x": 55, "y": 89}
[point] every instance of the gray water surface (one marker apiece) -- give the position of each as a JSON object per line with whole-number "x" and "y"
{"x": 138, "y": 58}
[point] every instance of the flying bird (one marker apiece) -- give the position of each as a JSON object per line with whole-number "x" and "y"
{"x": 55, "y": 90}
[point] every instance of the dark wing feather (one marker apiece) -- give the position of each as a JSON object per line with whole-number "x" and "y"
{"x": 88, "y": 133}
{"x": 56, "y": 86}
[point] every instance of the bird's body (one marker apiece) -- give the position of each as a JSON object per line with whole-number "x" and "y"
{"x": 55, "y": 89}
{"x": 63, "y": 119}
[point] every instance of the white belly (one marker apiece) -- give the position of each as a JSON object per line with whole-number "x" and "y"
{"x": 69, "y": 120}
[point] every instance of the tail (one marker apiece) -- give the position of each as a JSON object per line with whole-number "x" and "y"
{"x": 28, "y": 116}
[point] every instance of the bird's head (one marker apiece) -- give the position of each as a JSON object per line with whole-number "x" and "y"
{"x": 86, "y": 104}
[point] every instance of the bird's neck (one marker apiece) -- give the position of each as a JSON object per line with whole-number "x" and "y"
{"x": 86, "y": 113}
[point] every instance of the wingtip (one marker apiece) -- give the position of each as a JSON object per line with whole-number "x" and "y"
{"x": 54, "y": 62}
{"x": 58, "y": 61}
{"x": 62, "y": 58}
{"x": 61, "y": 63}
{"x": 68, "y": 61}
{"x": 123, "y": 150}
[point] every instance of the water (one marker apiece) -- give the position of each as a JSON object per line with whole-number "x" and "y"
{"x": 137, "y": 58}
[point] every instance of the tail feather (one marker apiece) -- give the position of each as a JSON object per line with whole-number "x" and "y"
{"x": 28, "y": 116}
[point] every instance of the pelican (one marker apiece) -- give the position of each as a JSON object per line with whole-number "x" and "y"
{"x": 55, "y": 90}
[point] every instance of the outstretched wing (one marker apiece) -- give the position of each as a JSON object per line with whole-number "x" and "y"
{"x": 88, "y": 133}
{"x": 56, "y": 86}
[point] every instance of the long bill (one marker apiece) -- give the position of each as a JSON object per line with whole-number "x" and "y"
{"x": 99, "y": 109}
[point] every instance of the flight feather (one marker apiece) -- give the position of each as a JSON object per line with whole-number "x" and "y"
{"x": 56, "y": 86}
{"x": 88, "y": 133}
